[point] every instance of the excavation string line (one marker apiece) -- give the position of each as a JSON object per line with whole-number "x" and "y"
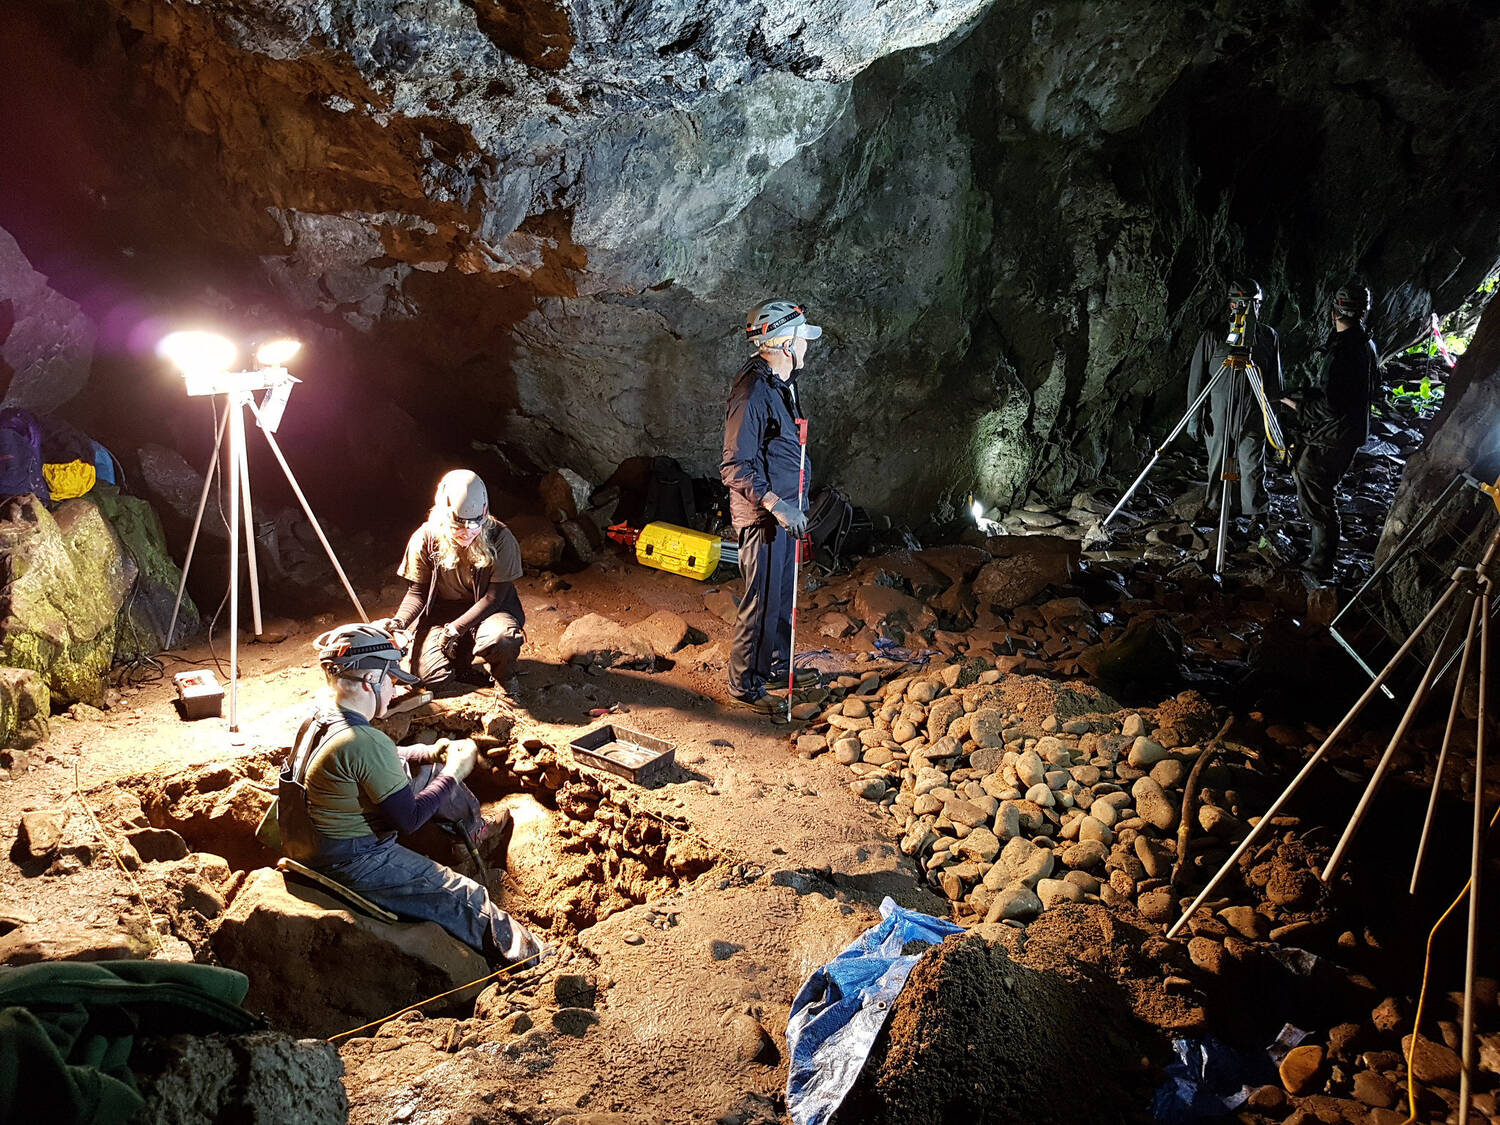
{"x": 1416, "y": 1029}
{"x": 496, "y": 975}
{"x": 129, "y": 875}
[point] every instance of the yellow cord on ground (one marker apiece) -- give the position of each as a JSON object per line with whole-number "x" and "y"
{"x": 496, "y": 975}
{"x": 1416, "y": 1031}
{"x": 99, "y": 831}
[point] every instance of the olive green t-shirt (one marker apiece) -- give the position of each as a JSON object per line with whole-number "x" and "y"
{"x": 351, "y": 773}
{"x": 463, "y": 584}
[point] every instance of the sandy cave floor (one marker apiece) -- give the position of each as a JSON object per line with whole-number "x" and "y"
{"x": 694, "y": 984}
{"x": 666, "y": 1040}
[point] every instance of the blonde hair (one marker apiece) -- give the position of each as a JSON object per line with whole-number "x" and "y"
{"x": 482, "y": 550}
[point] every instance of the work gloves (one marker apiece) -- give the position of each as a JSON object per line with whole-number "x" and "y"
{"x": 451, "y": 643}
{"x": 789, "y": 517}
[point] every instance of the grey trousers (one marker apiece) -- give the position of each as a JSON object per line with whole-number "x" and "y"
{"x": 1249, "y": 450}
{"x": 496, "y": 641}
{"x": 414, "y": 887}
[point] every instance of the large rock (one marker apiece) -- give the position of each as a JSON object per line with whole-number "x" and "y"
{"x": 666, "y": 631}
{"x": 63, "y": 940}
{"x": 890, "y": 612}
{"x": 262, "y": 1078}
{"x": 540, "y": 542}
{"x": 595, "y": 640}
{"x": 1022, "y": 567}
{"x": 317, "y": 968}
{"x": 23, "y": 697}
{"x": 68, "y": 578}
{"x": 143, "y": 629}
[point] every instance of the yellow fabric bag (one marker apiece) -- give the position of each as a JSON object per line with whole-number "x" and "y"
{"x": 69, "y": 479}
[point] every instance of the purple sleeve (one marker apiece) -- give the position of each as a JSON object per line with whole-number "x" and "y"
{"x": 409, "y": 812}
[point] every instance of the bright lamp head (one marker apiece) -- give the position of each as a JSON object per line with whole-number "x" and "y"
{"x": 276, "y": 353}
{"x": 197, "y": 353}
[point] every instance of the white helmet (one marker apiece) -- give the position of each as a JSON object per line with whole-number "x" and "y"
{"x": 461, "y": 506}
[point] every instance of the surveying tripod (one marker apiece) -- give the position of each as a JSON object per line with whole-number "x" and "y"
{"x": 1238, "y": 361}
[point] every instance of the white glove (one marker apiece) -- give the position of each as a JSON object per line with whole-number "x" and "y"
{"x": 789, "y": 517}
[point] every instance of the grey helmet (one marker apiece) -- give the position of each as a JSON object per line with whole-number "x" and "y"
{"x": 361, "y": 648}
{"x": 1242, "y": 291}
{"x": 776, "y": 319}
{"x": 1352, "y": 302}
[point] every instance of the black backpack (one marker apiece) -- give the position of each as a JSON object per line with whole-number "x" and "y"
{"x": 669, "y": 494}
{"x": 21, "y": 455}
{"x": 837, "y": 528}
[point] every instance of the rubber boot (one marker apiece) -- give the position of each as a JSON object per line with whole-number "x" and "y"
{"x": 1319, "y": 562}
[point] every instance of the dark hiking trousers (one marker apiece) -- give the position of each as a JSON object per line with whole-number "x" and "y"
{"x": 1320, "y": 466}
{"x": 763, "y": 633}
{"x": 496, "y": 641}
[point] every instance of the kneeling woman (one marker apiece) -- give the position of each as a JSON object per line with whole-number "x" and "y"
{"x": 344, "y": 796}
{"x": 461, "y": 568}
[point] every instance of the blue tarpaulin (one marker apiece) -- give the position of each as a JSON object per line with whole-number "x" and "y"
{"x": 841, "y": 1008}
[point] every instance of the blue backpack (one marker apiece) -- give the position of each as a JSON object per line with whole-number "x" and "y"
{"x": 21, "y": 455}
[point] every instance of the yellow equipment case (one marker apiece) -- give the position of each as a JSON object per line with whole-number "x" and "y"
{"x": 679, "y": 550}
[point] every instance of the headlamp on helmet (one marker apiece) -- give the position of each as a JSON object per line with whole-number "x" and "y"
{"x": 350, "y": 650}
{"x": 778, "y": 322}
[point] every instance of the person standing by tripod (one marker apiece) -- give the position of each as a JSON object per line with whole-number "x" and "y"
{"x": 1333, "y": 421}
{"x": 1239, "y": 439}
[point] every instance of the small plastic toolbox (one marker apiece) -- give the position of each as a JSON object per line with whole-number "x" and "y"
{"x": 637, "y": 757}
{"x": 679, "y": 550}
{"x": 199, "y": 695}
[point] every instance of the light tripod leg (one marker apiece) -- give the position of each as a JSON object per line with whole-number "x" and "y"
{"x": 1418, "y": 698}
{"x": 1437, "y": 773}
{"x": 208, "y": 480}
{"x": 249, "y": 522}
{"x": 312, "y": 519}
{"x": 236, "y": 451}
{"x": 1262, "y": 825}
{"x": 1228, "y": 457}
{"x": 1476, "y": 857}
{"x": 1192, "y": 412}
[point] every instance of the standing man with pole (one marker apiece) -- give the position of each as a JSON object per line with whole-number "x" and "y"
{"x": 766, "y": 471}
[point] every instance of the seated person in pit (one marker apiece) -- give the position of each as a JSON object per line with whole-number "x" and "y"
{"x": 461, "y": 568}
{"x": 345, "y": 794}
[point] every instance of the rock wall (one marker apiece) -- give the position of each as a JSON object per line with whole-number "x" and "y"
{"x": 1466, "y": 441}
{"x": 81, "y": 586}
{"x": 46, "y": 342}
{"x": 542, "y": 222}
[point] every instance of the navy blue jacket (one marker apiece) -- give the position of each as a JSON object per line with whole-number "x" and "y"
{"x": 761, "y": 451}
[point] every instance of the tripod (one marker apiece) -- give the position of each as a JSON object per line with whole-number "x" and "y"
{"x": 1478, "y": 585}
{"x": 1239, "y": 361}
{"x": 238, "y": 397}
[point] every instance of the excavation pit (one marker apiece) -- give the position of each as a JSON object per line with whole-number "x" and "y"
{"x": 580, "y": 848}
